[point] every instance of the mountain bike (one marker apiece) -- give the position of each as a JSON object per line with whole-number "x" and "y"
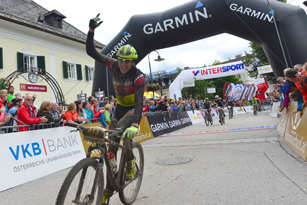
{"x": 255, "y": 109}
{"x": 230, "y": 111}
{"x": 84, "y": 184}
{"x": 221, "y": 116}
{"x": 208, "y": 118}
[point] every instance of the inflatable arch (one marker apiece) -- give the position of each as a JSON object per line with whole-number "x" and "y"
{"x": 251, "y": 20}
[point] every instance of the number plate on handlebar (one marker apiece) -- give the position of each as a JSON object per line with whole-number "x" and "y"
{"x": 93, "y": 134}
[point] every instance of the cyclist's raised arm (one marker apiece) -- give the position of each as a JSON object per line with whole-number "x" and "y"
{"x": 90, "y": 47}
{"x": 139, "y": 92}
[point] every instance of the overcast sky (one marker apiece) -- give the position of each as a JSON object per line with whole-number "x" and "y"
{"x": 116, "y": 13}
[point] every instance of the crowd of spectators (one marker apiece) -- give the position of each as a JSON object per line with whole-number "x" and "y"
{"x": 16, "y": 110}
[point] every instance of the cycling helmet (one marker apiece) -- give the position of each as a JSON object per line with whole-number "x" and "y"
{"x": 217, "y": 96}
{"x": 127, "y": 52}
{"x": 15, "y": 100}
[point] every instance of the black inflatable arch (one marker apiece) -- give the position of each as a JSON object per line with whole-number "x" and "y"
{"x": 249, "y": 19}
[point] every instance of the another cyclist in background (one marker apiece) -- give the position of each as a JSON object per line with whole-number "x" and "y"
{"x": 230, "y": 104}
{"x": 255, "y": 102}
{"x": 219, "y": 104}
{"x": 207, "y": 106}
{"x": 129, "y": 89}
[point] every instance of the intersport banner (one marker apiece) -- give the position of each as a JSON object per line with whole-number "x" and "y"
{"x": 205, "y": 73}
{"x": 162, "y": 124}
{"x": 26, "y": 156}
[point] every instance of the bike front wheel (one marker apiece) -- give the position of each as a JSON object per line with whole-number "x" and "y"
{"x": 132, "y": 187}
{"x": 79, "y": 186}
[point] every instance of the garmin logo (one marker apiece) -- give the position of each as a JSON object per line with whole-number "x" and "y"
{"x": 177, "y": 22}
{"x": 120, "y": 44}
{"x": 251, "y": 12}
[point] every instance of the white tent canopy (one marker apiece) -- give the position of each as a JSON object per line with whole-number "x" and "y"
{"x": 217, "y": 71}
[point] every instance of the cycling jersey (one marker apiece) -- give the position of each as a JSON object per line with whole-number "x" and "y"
{"x": 219, "y": 103}
{"x": 230, "y": 103}
{"x": 207, "y": 105}
{"x": 254, "y": 100}
{"x": 129, "y": 88}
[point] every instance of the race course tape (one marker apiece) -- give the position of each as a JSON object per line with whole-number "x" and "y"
{"x": 219, "y": 131}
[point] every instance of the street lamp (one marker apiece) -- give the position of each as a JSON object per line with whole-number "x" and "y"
{"x": 159, "y": 59}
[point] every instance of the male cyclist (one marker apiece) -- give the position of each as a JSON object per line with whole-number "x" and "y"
{"x": 219, "y": 105}
{"x": 230, "y": 105}
{"x": 207, "y": 107}
{"x": 129, "y": 88}
{"x": 255, "y": 102}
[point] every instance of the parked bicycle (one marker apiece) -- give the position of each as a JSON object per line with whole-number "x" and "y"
{"x": 85, "y": 183}
{"x": 208, "y": 118}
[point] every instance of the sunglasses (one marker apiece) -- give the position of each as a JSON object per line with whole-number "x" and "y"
{"x": 120, "y": 60}
{"x": 29, "y": 99}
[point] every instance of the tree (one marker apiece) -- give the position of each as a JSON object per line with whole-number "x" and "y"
{"x": 258, "y": 58}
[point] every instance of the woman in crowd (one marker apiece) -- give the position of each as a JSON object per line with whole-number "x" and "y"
{"x": 88, "y": 111}
{"x": 44, "y": 111}
{"x": 145, "y": 106}
{"x": 80, "y": 111}
{"x": 71, "y": 115}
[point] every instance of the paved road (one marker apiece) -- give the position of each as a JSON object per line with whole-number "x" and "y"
{"x": 226, "y": 168}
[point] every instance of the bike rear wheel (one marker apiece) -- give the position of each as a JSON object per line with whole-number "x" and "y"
{"x": 207, "y": 120}
{"x": 79, "y": 187}
{"x": 130, "y": 192}
{"x": 220, "y": 117}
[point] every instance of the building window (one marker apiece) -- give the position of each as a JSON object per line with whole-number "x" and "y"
{"x": 90, "y": 74}
{"x": 71, "y": 70}
{"x": 29, "y": 61}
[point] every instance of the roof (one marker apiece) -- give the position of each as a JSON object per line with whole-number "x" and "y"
{"x": 28, "y": 13}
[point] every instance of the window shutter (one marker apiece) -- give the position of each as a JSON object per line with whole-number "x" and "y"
{"x": 41, "y": 63}
{"x": 86, "y": 73}
{"x": 79, "y": 72}
{"x": 65, "y": 72}
{"x": 20, "y": 61}
{"x": 1, "y": 59}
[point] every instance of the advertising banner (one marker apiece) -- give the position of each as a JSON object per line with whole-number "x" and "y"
{"x": 216, "y": 71}
{"x": 189, "y": 83}
{"x": 295, "y": 135}
{"x": 162, "y": 124}
{"x": 275, "y": 109}
{"x": 282, "y": 124}
{"x": 195, "y": 116}
{"x": 35, "y": 88}
{"x": 265, "y": 69}
{"x": 211, "y": 90}
{"x": 26, "y": 156}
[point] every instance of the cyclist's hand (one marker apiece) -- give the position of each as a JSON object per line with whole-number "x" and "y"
{"x": 130, "y": 132}
{"x": 95, "y": 22}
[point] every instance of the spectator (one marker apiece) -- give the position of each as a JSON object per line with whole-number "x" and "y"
{"x": 80, "y": 111}
{"x": 18, "y": 95}
{"x": 162, "y": 106}
{"x": 156, "y": 101}
{"x": 102, "y": 117}
{"x": 297, "y": 96}
{"x": 89, "y": 100}
{"x": 94, "y": 103}
{"x": 300, "y": 82}
{"x": 71, "y": 115}
{"x": 16, "y": 102}
{"x": 102, "y": 104}
{"x": 44, "y": 111}
{"x": 88, "y": 110}
{"x": 3, "y": 100}
{"x": 10, "y": 94}
{"x": 26, "y": 114}
{"x": 108, "y": 107}
{"x": 53, "y": 111}
{"x": 152, "y": 107}
{"x": 113, "y": 108}
{"x": 111, "y": 97}
{"x": 298, "y": 67}
{"x": 61, "y": 110}
{"x": 167, "y": 107}
{"x": 145, "y": 106}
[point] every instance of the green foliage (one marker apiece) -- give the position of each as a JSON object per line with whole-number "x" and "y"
{"x": 256, "y": 59}
{"x": 153, "y": 87}
{"x": 4, "y": 84}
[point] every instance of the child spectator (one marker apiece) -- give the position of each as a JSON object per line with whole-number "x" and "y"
{"x": 102, "y": 117}
{"x": 88, "y": 110}
{"x": 108, "y": 107}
